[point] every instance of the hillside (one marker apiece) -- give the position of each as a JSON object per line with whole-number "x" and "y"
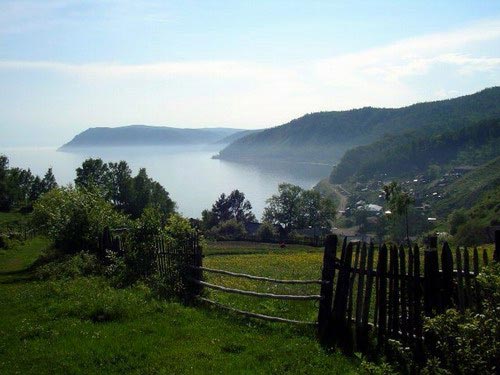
{"x": 325, "y": 136}
{"x": 234, "y": 137}
{"x": 143, "y": 135}
{"x": 474, "y": 190}
{"x": 413, "y": 153}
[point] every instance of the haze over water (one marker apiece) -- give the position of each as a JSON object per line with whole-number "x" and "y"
{"x": 193, "y": 179}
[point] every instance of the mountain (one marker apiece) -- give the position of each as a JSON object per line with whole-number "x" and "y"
{"x": 409, "y": 154}
{"x": 144, "y": 135}
{"x": 325, "y": 136}
{"x": 234, "y": 137}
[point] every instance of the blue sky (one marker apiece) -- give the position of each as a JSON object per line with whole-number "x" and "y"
{"x": 69, "y": 65}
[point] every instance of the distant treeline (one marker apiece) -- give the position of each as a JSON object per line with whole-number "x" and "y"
{"x": 411, "y": 153}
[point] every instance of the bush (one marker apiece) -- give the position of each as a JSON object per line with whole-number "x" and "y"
{"x": 68, "y": 267}
{"x": 471, "y": 233}
{"x": 178, "y": 230}
{"x": 468, "y": 343}
{"x": 141, "y": 243}
{"x": 266, "y": 232}
{"x": 74, "y": 218}
{"x": 228, "y": 230}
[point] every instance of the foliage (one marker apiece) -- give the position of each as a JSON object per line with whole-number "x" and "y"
{"x": 399, "y": 202}
{"x": 178, "y": 230}
{"x": 70, "y": 266}
{"x": 20, "y": 188}
{"x": 228, "y": 230}
{"x": 228, "y": 207}
{"x": 74, "y": 218}
{"x": 266, "y": 232}
{"x": 456, "y": 219}
{"x": 129, "y": 194}
{"x": 294, "y": 208}
{"x": 470, "y": 342}
{"x": 141, "y": 244}
{"x": 418, "y": 152}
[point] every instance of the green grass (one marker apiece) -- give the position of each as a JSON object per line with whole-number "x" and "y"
{"x": 279, "y": 265}
{"x": 246, "y": 247}
{"x": 82, "y": 325}
{"x": 12, "y": 219}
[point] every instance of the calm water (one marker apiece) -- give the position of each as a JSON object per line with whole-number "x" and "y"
{"x": 192, "y": 178}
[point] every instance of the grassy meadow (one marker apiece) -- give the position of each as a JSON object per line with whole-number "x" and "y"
{"x": 68, "y": 324}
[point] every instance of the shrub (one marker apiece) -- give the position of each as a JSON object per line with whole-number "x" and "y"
{"x": 178, "y": 229}
{"x": 74, "y": 218}
{"x": 68, "y": 267}
{"x": 266, "y": 232}
{"x": 229, "y": 230}
{"x": 468, "y": 343}
{"x": 471, "y": 233}
{"x": 141, "y": 244}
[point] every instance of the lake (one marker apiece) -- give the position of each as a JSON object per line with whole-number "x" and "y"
{"x": 193, "y": 179}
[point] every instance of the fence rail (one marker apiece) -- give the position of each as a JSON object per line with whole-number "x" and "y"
{"x": 260, "y": 278}
{"x": 365, "y": 291}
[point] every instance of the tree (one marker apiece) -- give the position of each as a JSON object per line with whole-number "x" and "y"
{"x": 49, "y": 181}
{"x": 399, "y": 203}
{"x": 94, "y": 174}
{"x": 234, "y": 206}
{"x": 4, "y": 195}
{"x": 284, "y": 208}
{"x": 121, "y": 184}
{"x": 294, "y": 207}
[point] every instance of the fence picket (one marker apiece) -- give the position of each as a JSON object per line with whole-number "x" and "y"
{"x": 468, "y": 290}
{"x": 351, "y": 283}
{"x": 327, "y": 277}
{"x": 403, "y": 289}
{"x": 382, "y": 295}
{"x": 359, "y": 295}
{"x": 447, "y": 276}
{"x": 460, "y": 281}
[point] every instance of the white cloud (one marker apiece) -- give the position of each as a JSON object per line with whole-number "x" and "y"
{"x": 254, "y": 95}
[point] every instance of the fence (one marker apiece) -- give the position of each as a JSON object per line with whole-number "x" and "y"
{"x": 367, "y": 294}
{"x": 384, "y": 293}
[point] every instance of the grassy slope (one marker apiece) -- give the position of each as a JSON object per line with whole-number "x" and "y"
{"x": 471, "y": 188}
{"x": 48, "y": 327}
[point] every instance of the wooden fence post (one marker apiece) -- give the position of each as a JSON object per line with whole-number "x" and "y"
{"x": 327, "y": 277}
{"x": 431, "y": 278}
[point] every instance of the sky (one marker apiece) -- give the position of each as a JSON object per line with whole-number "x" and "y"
{"x": 68, "y": 65}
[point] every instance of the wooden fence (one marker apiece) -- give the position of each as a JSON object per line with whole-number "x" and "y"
{"x": 383, "y": 293}
{"x": 368, "y": 294}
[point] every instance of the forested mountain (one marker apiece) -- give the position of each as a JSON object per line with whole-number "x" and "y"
{"x": 325, "y": 136}
{"x": 412, "y": 153}
{"x": 234, "y": 137}
{"x": 143, "y": 135}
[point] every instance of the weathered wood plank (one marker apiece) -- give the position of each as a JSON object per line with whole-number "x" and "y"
{"x": 447, "y": 276}
{"x": 327, "y": 277}
{"x": 255, "y": 315}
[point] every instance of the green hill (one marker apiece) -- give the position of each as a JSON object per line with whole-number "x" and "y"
{"x": 478, "y": 190}
{"x": 412, "y": 153}
{"x": 325, "y": 136}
